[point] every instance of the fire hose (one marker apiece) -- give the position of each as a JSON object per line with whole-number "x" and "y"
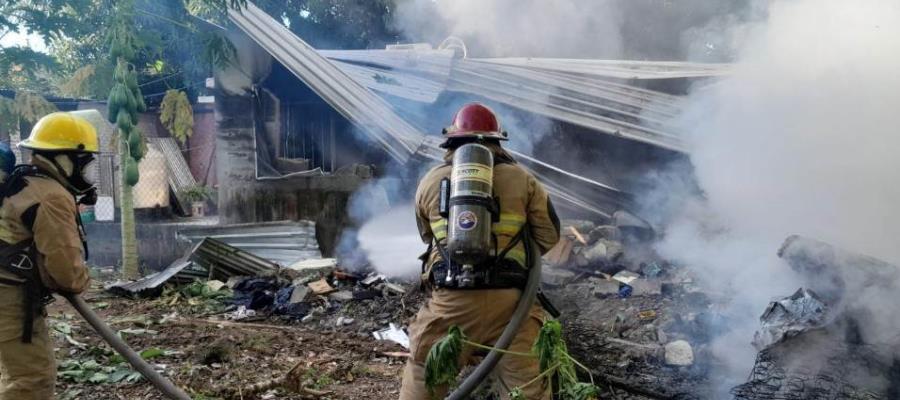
{"x": 512, "y": 328}
{"x": 164, "y": 385}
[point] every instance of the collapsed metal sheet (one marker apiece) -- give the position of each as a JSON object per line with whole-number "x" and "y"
{"x": 789, "y": 317}
{"x": 355, "y": 102}
{"x": 224, "y": 261}
{"x": 150, "y": 285}
{"x": 401, "y": 140}
{"x": 281, "y": 242}
{"x": 621, "y": 69}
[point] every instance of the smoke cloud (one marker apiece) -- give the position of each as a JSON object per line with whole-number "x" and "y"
{"x": 801, "y": 138}
{"x": 391, "y": 242}
{"x": 605, "y": 29}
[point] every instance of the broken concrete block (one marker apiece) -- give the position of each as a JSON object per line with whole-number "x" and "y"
{"x": 314, "y": 267}
{"x": 299, "y": 294}
{"x": 321, "y": 286}
{"x": 343, "y": 295}
{"x": 632, "y": 226}
{"x": 607, "y": 232}
{"x": 625, "y": 276}
{"x": 372, "y": 280}
{"x": 393, "y": 288}
{"x": 604, "y": 251}
{"x": 646, "y": 287}
{"x": 679, "y": 353}
{"x": 603, "y": 288}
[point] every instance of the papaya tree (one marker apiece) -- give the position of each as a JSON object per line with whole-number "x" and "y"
{"x": 125, "y": 103}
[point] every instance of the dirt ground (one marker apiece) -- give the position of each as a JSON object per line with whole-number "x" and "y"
{"x": 216, "y": 359}
{"x": 333, "y": 355}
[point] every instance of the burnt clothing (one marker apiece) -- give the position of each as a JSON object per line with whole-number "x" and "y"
{"x": 522, "y": 200}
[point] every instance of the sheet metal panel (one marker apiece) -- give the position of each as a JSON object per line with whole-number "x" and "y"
{"x": 402, "y": 85}
{"x": 620, "y": 69}
{"x": 282, "y": 242}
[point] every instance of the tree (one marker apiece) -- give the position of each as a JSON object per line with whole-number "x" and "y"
{"x": 354, "y": 24}
{"x": 124, "y": 103}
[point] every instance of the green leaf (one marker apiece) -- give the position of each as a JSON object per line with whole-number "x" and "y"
{"x": 90, "y": 365}
{"x": 579, "y": 391}
{"x": 133, "y": 377}
{"x": 152, "y": 353}
{"x": 98, "y": 377}
{"x": 63, "y": 327}
{"x": 547, "y": 344}
{"x": 119, "y": 375}
{"x": 442, "y": 363}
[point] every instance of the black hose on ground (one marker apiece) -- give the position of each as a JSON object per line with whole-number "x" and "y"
{"x": 164, "y": 385}
{"x": 512, "y": 328}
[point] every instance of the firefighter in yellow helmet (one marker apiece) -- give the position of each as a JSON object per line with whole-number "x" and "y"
{"x": 482, "y": 303}
{"x": 41, "y": 248}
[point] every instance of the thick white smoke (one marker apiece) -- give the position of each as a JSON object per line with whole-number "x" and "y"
{"x": 391, "y": 242}
{"x": 500, "y": 28}
{"x": 802, "y": 138}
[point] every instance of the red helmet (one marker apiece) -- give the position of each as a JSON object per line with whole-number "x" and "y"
{"x": 475, "y": 120}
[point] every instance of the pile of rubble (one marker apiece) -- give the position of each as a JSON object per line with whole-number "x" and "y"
{"x": 265, "y": 284}
{"x": 641, "y": 324}
{"x": 828, "y": 340}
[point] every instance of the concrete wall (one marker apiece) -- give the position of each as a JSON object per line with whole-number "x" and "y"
{"x": 157, "y": 247}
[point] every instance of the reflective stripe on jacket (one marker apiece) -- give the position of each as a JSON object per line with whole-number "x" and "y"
{"x": 522, "y": 199}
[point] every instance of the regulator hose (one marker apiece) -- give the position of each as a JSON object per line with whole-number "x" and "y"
{"x": 474, "y": 379}
{"x": 164, "y": 385}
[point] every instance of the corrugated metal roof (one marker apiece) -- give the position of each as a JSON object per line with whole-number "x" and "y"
{"x": 355, "y": 102}
{"x": 224, "y": 261}
{"x": 591, "y": 101}
{"x": 282, "y": 242}
{"x": 605, "y": 106}
{"x": 620, "y": 69}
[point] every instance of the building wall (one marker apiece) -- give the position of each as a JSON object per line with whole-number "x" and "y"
{"x": 245, "y": 199}
{"x": 202, "y": 145}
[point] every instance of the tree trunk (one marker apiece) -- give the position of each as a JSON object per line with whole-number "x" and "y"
{"x": 126, "y": 203}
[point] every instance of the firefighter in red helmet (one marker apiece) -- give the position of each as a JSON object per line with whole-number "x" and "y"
{"x": 479, "y": 300}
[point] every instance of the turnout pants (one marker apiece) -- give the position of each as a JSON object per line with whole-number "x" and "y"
{"x": 482, "y": 315}
{"x": 27, "y": 370}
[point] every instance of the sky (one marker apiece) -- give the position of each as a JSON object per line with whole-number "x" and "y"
{"x": 21, "y": 39}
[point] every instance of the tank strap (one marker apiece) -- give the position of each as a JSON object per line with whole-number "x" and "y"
{"x": 19, "y": 259}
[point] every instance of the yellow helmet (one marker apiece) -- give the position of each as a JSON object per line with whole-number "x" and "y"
{"x": 61, "y": 131}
